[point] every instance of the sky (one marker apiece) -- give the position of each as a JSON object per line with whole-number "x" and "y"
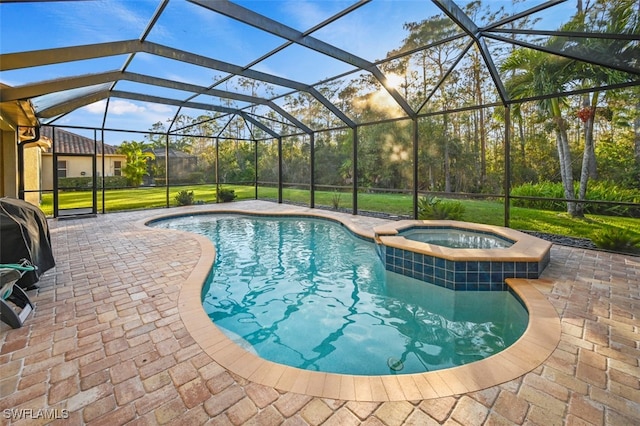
{"x": 370, "y": 33}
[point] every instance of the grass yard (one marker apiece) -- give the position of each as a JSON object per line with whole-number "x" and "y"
{"x": 479, "y": 211}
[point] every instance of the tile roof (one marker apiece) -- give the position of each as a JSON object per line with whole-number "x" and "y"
{"x": 71, "y": 143}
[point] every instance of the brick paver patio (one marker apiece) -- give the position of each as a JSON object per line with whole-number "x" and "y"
{"x": 106, "y": 345}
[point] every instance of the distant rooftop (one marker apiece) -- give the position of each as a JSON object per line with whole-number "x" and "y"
{"x": 71, "y": 143}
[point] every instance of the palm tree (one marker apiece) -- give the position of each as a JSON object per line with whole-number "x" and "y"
{"x": 618, "y": 17}
{"x": 537, "y": 73}
{"x": 136, "y": 167}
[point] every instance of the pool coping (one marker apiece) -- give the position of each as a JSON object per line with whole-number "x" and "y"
{"x": 471, "y": 269}
{"x": 539, "y": 340}
{"x": 525, "y": 247}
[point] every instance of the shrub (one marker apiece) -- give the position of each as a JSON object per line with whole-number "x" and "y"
{"x": 434, "y": 208}
{"x": 113, "y": 182}
{"x": 616, "y": 239}
{"x": 542, "y": 190}
{"x": 185, "y": 198}
{"x": 79, "y": 183}
{"x": 86, "y": 182}
{"x": 226, "y": 195}
{"x": 596, "y": 191}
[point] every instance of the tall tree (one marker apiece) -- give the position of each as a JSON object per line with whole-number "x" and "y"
{"x": 434, "y": 63}
{"x": 156, "y": 137}
{"x": 606, "y": 16}
{"x": 535, "y": 73}
{"x": 478, "y": 76}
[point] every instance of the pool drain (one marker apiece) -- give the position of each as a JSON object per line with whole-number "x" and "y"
{"x": 395, "y": 364}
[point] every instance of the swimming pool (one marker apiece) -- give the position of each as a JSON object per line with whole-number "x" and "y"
{"x": 322, "y": 300}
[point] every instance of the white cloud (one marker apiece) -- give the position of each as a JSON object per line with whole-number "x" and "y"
{"x": 161, "y": 109}
{"x": 96, "y": 107}
{"x": 119, "y": 107}
{"x": 306, "y": 14}
{"x": 102, "y": 21}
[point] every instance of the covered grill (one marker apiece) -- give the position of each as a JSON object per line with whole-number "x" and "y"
{"x": 24, "y": 234}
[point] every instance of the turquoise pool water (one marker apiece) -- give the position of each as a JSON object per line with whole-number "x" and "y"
{"x": 456, "y": 238}
{"x": 308, "y": 293}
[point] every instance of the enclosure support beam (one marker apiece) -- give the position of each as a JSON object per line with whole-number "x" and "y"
{"x": 255, "y": 160}
{"x": 312, "y": 168}
{"x": 461, "y": 19}
{"x": 279, "y": 169}
{"x": 54, "y": 150}
{"x": 103, "y": 195}
{"x": 94, "y": 166}
{"x": 354, "y": 164}
{"x": 415, "y": 168}
{"x": 217, "y": 170}
{"x": 166, "y": 166}
{"x": 274, "y": 27}
{"x": 507, "y": 164}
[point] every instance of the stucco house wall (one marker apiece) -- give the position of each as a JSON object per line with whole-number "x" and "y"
{"x": 9, "y": 161}
{"x": 80, "y": 167}
{"x": 78, "y": 162}
{"x": 33, "y": 172}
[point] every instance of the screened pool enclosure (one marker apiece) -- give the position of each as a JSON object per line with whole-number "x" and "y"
{"x": 367, "y": 106}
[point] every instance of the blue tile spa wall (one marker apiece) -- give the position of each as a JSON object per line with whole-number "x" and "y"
{"x": 458, "y": 275}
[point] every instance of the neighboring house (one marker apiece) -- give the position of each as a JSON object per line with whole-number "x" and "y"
{"x": 75, "y": 155}
{"x": 181, "y": 165}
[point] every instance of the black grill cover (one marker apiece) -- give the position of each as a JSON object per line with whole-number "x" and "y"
{"x": 24, "y": 234}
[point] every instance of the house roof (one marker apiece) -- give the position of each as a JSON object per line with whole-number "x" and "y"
{"x": 72, "y": 143}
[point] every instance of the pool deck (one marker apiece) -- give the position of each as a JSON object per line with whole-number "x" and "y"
{"x": 110, "y": 342}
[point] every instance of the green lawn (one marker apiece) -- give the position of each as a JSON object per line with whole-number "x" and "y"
{"x": 479, "y": 211}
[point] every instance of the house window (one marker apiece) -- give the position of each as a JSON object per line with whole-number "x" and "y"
{"x": 117, "y": 168}
{"x": 62, "y": 168}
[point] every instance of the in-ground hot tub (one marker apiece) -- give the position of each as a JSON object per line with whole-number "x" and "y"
{"x": 460, "y": 255}
{"x": 452, "y": 237}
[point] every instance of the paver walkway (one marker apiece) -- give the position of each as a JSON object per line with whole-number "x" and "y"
{"x": 106, "y": 345}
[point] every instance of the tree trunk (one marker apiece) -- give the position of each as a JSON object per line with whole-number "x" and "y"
{"x": 589, "y": 154}
{"x": 483, "y": 142}
{"x": 523, "y": 153}
{"x": 564, "y": 156}
{"x": 447, "y": 166}
{"x": 590, "y": 144}
{"x": 432, "y": 183}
